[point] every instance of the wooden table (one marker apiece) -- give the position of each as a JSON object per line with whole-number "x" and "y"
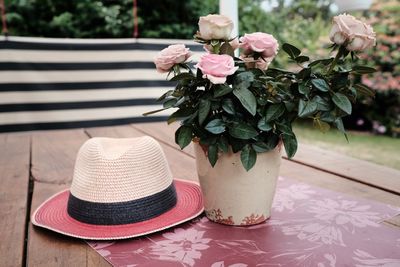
{"x": 35, "y": 165}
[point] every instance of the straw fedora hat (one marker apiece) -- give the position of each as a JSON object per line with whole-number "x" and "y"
{"x": 121, "y": 188}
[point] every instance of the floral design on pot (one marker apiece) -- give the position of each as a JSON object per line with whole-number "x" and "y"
{"x": 216, "y": 216}
{"x": 253, "y": 219}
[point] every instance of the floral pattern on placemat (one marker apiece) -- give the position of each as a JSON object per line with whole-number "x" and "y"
{"x": 310, "y": 226}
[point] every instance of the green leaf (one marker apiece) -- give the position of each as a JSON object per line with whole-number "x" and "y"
{"x": 272, "y": 140}
{"x": 291, "y": 50}
{"x": 247, "y": 99}
{"x": 243, "y": 80}
{"x": 215, "y": 126}
{"x": 183, "y": 136}
{"x": 304, "y": 73}
{"x": 274, "y": 111}
{"x": 324, "y": 62}
{"x": 212, "y": 154}
{"x": 342, "y": 102}
{"x": 289, "y": 105}
{"x": 170, "y": 103}
{"x": 248, "y": 156}
{"x": 222, "y": 89}
{"x": 364, "y": 90}
{"x": 306, "y": 108}
{"x": 363, "y": 69}
{"x": 321, "y": 125}
{"x": 166, "y": 94}
{"x": 304, "y": 89}
{"x": 320, "y": 84}
{"x": 322, "y": 104}
{"x": 182, "y": 76}
{"x": 261, "y": 147}
{"x": 264, "y": 125}
{"x": 302, "y": 59}
{"x": 227, "y": 105}
{"x": 227, "y": 49}
{"x": 339, "y": 125}
{"x": 290, "y": 143}
{"x": 284, "y": 128}
{"x": 179, "y": 114}
{"x": 327, "y": 117}
{"x": 242, "y": 131}
{"x": 223, "y": 144}
{"x": 204, "y": 109}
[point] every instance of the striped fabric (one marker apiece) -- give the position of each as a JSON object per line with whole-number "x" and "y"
{"x": 50, "y": 83}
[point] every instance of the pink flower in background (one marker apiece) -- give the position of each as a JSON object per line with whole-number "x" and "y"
{"x": 354, "y": 33}
{"x": 216, "y": 67}
{"x": 343, "y": 212}
{"x": 262, "y": 43}
{"x": 181, "y": 246}
{"x": 170, "y": 56}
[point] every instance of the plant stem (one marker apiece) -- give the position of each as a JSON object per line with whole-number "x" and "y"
{"x": 335, "y": 60}
{"x": 177, "y": 70}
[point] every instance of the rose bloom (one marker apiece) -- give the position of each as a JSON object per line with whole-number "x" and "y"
{"x": 170, "y": 56}
{"x": 216, "y": 67}
{"x": 347, "y": 29}
{"x": 215, "y": 27}
{"x": 259, "y": 42}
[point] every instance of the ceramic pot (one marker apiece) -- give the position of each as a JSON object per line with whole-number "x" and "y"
{"x": 234, "y": 196}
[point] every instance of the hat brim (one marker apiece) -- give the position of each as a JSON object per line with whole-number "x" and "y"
{"x": 53, "y": 215}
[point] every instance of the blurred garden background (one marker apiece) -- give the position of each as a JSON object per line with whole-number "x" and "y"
{"x": 374, "y": 127}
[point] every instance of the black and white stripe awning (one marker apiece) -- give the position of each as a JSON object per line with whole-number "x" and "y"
{"x": 50, "y": 83}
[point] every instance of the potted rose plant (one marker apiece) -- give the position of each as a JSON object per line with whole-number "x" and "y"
{"x": 239, "y": 112}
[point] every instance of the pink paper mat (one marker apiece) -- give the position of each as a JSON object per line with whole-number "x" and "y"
{"x": 310, "y": 226}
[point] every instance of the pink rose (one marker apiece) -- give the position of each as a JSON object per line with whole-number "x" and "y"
{"x": 347, "y": 29}
{"x": 259, "y": 42}
{"x": 215, "y": 27}
{"x": 216, "y": 67}
{"x": 170, "y": 56}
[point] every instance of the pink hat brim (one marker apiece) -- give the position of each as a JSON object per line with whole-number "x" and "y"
{"x": 53, "y": 215}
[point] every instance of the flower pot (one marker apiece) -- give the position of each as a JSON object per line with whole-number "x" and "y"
{"x": 234, "y": 196}
{"x": 346, "y": 5}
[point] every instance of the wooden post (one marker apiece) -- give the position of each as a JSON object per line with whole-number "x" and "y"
{"x": 230, "y": 8}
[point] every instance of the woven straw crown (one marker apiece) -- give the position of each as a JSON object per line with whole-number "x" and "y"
{"x": 138, "y": 164}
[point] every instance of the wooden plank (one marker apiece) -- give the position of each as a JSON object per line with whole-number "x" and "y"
{"x": 53, "y": 159}
{"x": 14, "y": 186}
{"x": 181, "y": 165}
{"x": 163, "y": 131}
{"x": 351, "y": 168}
{"x": 54, "y": 153}
{"x": 46, "y": 248}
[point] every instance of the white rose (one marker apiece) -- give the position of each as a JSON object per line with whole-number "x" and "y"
{"x": 357, "y": 35}
{"x": 215, "y": 27}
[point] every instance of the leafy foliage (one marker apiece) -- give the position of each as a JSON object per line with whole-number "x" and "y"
{"x": 105, "y": 19}
{"x": 254, "y": 109}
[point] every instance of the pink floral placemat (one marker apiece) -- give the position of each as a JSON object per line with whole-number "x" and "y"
{"x": 310, "y": 226}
